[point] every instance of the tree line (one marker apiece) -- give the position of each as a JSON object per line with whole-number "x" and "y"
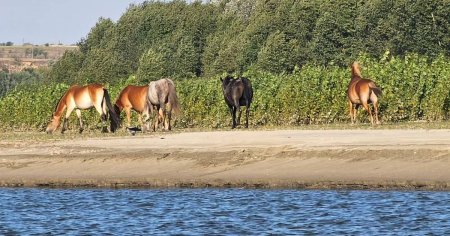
{"x": 186, "y": 40}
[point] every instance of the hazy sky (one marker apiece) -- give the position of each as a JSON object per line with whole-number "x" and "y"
{"x": 54, "y": 21}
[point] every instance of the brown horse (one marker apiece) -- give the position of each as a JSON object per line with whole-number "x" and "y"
{"x": 163, "y": 96}
{"x": 134, "y": 97}
{"x": 362, "y": 92}
{"x": 80, "y": 98}
{"x": 237, "y": 93}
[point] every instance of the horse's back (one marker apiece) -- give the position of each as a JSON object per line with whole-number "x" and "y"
{"x": 239, "y": 90}
{"x": 360, "y": 90}
{"x": 247, "y": 94}
{"x": 248, "y": 87}
{"x": 133, "y": 96}
{"x": 159, "y": 90}
{"x": 86, "y": 96}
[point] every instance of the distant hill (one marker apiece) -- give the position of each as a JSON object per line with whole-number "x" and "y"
{"x": 17, "y": 58}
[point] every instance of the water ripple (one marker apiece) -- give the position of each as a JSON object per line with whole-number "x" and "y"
{"x": 222, "y": 212}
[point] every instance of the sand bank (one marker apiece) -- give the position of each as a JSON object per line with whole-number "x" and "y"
{"x": 351, "y": 159}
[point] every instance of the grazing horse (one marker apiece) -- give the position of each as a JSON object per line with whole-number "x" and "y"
{"x": 163, "y": 96}
{"x": 134, "y": 97}
{"x": 362, "y": 92}
{"x": 80, "y": 98}
{"x": 237, "y": 93}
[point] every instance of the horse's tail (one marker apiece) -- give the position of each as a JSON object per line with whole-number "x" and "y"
{"x": 115, "y": 120}
{"x": 375, "y": 89}
{"x": 173, "y": 98}
{"x": 117, "y": 110}
{"x": 249, "y": 87}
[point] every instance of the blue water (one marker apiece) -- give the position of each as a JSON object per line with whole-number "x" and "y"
{"x": 222, "y": 212}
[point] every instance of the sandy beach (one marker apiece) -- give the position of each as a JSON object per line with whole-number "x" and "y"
{"x": 319, "y": 159}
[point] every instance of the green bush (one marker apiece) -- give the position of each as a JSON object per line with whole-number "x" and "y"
{"x": 413, "y": 89}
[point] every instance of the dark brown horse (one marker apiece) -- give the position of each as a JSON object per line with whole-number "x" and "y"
{"x": 134, "y": 97}
{"x": 237, "y": 93}
{"x": 163, "y": 96}
{"x": 362, "y": 92}
{"x": 80, "y": 98}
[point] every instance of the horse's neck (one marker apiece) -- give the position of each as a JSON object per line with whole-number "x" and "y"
{"x": 61, "y": 106}
{"x": 356, "y": 71}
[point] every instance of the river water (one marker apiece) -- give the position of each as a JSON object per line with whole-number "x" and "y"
{"x": 25, "y": 211}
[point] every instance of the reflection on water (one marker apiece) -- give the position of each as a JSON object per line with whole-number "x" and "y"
{"x": 222, "y": 211}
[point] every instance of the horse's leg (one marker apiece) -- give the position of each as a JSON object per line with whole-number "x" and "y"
{"x": 168, "y": 118}
{"x": 238, "y": 121}
{"x": 237, "y": 109}
{"x": 247, "y": 112}
{"x": 145, "y": 120}
{"x": 230, "y": 108}
{"x": 141, "y": 122}
{"x": 367, "y": 107}
{"x": 355, "y": 111}
{"x": 234, "y": 117}
{"x": 100, "y": 107}
{"x": 104, "y": 126}
{"x": 66, "y": 118}
{"x": 157, "y": 116}
{"x": 162, "y": 114}
{"x": 375, "y": 108}
{"x": 104, "y": 117}
{"x": 78, "y": 111}
{"x": 128, "y": 115}
{"x": 350, "y": 106}
{"x": 162, "y": 118}
{"x": 374, "y": 99}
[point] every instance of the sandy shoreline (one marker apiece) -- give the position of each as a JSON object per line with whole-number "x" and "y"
{"x": 323, "y": 159}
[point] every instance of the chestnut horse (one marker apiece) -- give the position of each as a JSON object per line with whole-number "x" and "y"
{"x": 80, "y": 98}
{"x": 237, "y": 93}
{"x": 163, "y": 96}
{"x": 362, "y": 92}
{"x": 134, "y": 97}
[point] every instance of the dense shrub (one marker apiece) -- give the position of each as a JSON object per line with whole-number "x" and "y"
{"x": 413, "y": 89}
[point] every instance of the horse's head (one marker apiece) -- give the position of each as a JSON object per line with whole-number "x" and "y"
{"x": 356, "y": 69}
{"x": 54, "y": 123}
{"x": 226, "y": 81}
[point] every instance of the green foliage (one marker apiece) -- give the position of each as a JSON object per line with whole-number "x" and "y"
{"x": 276, "y": 55}
{"x": 414, "y": 88}
{"x": 151, "y": 66}
{"x": 66, "y": 69}
{"x": 208, "y": 39}
{"x": 10, "y": 81}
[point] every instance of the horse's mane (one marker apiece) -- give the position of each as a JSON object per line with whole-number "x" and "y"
{"x": 356, "y": 71}
{"x": 228, "y": 79}
{"x": 59, "y": 101}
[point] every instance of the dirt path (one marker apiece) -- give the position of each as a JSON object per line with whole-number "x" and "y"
{"x": 413, "y": 159}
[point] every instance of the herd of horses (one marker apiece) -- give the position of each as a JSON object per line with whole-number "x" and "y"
{"x": 160, "y": 97}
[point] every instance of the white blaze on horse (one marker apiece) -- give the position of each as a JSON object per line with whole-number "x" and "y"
{"x": 84, "y": 97}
